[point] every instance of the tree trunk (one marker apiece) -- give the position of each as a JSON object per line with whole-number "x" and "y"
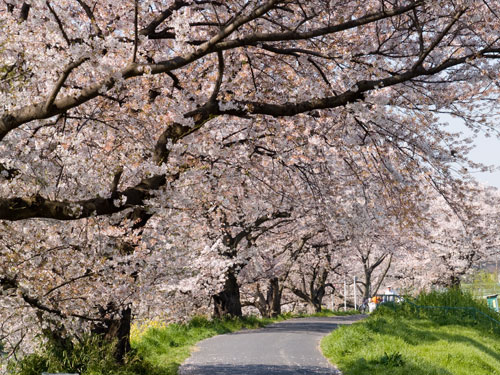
{"x": 368, "y": 285}
{"x": 454, "y": 281}
{"x": 117, "y": 330}
{"x": 269, "y": 306}
{"x": 317, "y": 300}
{"x": 227, "y": 302}
{"x": 274, "y": 297}
{"x": 261, "y": 304}
{"x": 313, "y": 307}
{"x": 314, "y": 300}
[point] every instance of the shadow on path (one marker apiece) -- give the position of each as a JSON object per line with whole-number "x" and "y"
{"x": 303, "y": 327}
{"x": 314, "y": 326}
{"x": 285, "y": 348}
{"x": 225, "y": 369}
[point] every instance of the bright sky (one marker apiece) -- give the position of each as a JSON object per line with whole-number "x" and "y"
{"x": 487, "y": 151}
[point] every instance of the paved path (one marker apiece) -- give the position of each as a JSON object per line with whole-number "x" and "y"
{"x": 285, "y": 348}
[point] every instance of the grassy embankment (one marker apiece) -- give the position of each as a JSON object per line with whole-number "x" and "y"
{"x": 158, "y": 348}
{"x": 165, "y": 347}
{"x": 401, "y": 339}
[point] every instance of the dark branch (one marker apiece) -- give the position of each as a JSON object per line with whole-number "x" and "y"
{"x": 175, "y": 131}
{"x": 25, "y": 9}
{"x": 116, "y": 181}
{"x": 7, "y": 282}
{"x": 60, "y": 82}
{"x": 59, "y": 23}
{"x": 90, "y": 15}
{"x": 136, "y": 35}
{"x": 257, "y": 38}
{"x": 150, "y": 29}
{"x": 24, "y": 208}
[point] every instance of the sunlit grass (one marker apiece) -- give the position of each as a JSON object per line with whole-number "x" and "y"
{"x": 401, "y": 342}
{"x": 165, "y": 347}
{"x": 168, "y": 346}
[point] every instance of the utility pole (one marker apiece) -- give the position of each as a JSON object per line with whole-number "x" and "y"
{"x": 355, "y": 295}
{"x": 496, "y": 267}
{"x": 345, "y": 295}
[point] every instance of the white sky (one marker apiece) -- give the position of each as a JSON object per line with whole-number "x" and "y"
{"x": 486, "y": 151}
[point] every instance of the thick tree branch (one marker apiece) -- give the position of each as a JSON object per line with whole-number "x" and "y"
{"x": 294, "y": 51}
{"x": 378, "y": 261}
{"x": 220, "y": 76}
{"x": 150, "y": 30}
{"x": 24, "y": 208}
{"x": 236, "y": 23}
{"x": 246, "y": 108}
{"x": 167, "y": 13}
{"x": 116, "y": 181}
{"x": 256, "y": 38}
{"x": 136, "y": 35}
{"x": 299, "y": 293}
{"x": 232, "y": 242}
{"x": 7, "y": 282}
{"x": 383, "y": 275}
{"x": 12, "y": 119}
{"x": 175, "y": 131}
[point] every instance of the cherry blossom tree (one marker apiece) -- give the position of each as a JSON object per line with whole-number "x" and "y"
{"x": 376, "y": 236}
{"x": 264, "y": 279}
{"x": 450, "y": 245}
{"x": 129, "y": 130}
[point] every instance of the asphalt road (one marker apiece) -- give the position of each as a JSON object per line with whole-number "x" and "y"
{"x": 285, "y": 348}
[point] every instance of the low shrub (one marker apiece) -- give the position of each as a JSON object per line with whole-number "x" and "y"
{"x": 391, "y": 360}
{"x": 90, "y": 355}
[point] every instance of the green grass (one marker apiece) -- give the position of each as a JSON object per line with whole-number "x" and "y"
{"x": 482, "y": 283}
{"x": 434, "y": 342}
{"x": 90, "y": 356}
{"x": 157, "y": 348}
{"x": 454, "y": 306}
{"x": 165, "y": 347}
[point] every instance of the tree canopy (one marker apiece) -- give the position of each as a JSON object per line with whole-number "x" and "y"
{"x": 148, "y": 146}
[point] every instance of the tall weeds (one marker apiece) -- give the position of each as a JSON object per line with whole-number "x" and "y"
{"x": 452, "y": 306}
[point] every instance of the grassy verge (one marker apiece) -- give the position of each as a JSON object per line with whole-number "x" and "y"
{"x": 396, "y": 341}
{"x": 164, "y": 348}
{"x": 158, "y": 348}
